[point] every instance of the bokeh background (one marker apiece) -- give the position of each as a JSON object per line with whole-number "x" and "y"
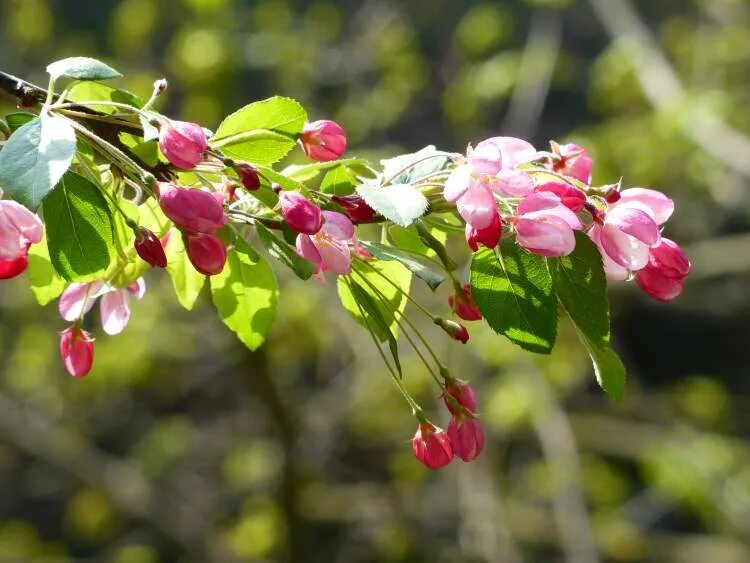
{"x": 183, "y": 446}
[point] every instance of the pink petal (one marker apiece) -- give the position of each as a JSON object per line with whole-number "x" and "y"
{"x": 653, "y": 202}
{"x": 28, "y": 225}
{"x": 612, "y": 270}
{"x": 545, "y": 235}
{"x": 515, "y": 151}
{"x": 513, "y": 183}
{"x": 338, "y": 225}
{"x": 625, "y": 250}
{"x": 307, "y": 249}
{"x": 635, "y": 223}
{"x": 478, "y": 207}
{"x": 457, "y": 183}
{"x": 77, "y": 299}
{"x": 11, "y": 245}
{"x": 138, "y": 288}
{"x": 658, "y": 286}
{"x": 538, "y": 204}
{"x": 335, "y": 254}
{"x": 115, "y": 311}
{"x": 486, "y": 158}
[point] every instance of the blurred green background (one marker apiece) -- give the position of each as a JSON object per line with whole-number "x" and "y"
{"x": 183, "y": 446}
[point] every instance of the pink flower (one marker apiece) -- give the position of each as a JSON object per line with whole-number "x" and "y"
{"x": 431, "y": 446}
{"x": 323, "y": 140}
{"x": 183, "y": 143}
{"x": 329, "y": 248}
{"x": 489, "y": 236}
{"x": 462, "y": 304}
{"x": 150, "y": 248}
{"x": 631, "y": 227}
{"x": 463, "y": 393}
{"x": 466, "y": 436}
{"x": 571, "y": 197}
{"x": 572, "y": 161}
{"x": 192, "y": 209}
{"x": 355, "y": 208}
{"x": 114, "y": 308}
{"x": 19, "y": 227}
{"x": 206, "y": 252}
{"x": 77, "y": 351}
{"x": 664, "y": 275}
{"x": 545, "y": 226}
{"x": 300, "y": 213}
{"x": 12, "y": 268}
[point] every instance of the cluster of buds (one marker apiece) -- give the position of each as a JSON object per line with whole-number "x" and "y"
{"x": 544, "y": 197}
{"x": 434, "y": 447}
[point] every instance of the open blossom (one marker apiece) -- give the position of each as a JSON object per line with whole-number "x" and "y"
{"x": 323, "y": 140}
{"x": 183, "y": 143}
{"x": 329, "y": 248}
{"x": 19, "y": 227}
{"x": 300, "y": 213}
{"x": 544, "y": 225}
{"x": 114, "y": 307}
{"x": 466, "y": 435}
{"x": 76, "y": 351}
{"x": 572, "y": 160}
{"x": 206, "y": 252}
{"x": 192, "y": 209}
{"x": 462, "y": 304}
{"x": 663, "y": 277}
{"x": 431, "y": 446}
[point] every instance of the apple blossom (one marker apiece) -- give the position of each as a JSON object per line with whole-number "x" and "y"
{"x": 431, "y": 446}
{"x": 544, "y": 225}
{"x": 77, "y": 351}
{"x": 462, "y": 304}
{"x": 329, "y": 248}
{"x": 183, "y": 143}
{"x": 114, "y": 306}
{"x": 466, "y": 435}
{"x": 206, "y": 252}
{"x": 300, "y": 213}
{"x": 18, "y": 228}
{"x": 323, "y": 140}
{"x": 192, "y": 209}
{"x": 150, "y": 248}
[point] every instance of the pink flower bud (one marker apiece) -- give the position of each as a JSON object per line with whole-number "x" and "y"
{"x": 149, "y": 248}
{"x": 355, "y": 208}
{"x": 14, "y": 267}
{"x": 323, "y": 140}
{"x": 431, "y": 446}
{"x": 300, "y": 213}
{"x": 663, "y": 277}
{"x": 573, "y": 161}
{"x": 206, "y": 252}
{"x": 76, "y": 351}
{"x": 462, "y": 303}
{"x": 249, "y": 177}
{"x": 183, "y": 143}
{"x": 571, "y": 197}
{"x": 466, "y": 436}
{"x": 489, "y": 236}
{"x": 455, "y": 330}
{"x": 463, "y": 393}
{"x": 191, "y": 209}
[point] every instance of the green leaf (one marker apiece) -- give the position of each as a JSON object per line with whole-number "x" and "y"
{"x": 401, "y": 203}
{"x": 245, "y": 294}
{"x": 90, "y": 91}
{"x": 80, "y": 232}
{"x": 284, "y": 253}
{"x": 46, "y": 283}
{"x": 408, "y": 168}
{"x": 306, "y": 172}
{"x": 35, "y": 158}
{"x": 17, "y": 119}
{"x": 428, "y": 275}
{"x": 262, "y": 132}
{"x": 383, "y": 276}
{"x": 514, "y": 293}
{"x": 339, "y": 180}
{"x": 581, "y": 286}
{"x": 369, "y": 310}
{"x": 186, "y": 280}
{"x": 81, "y": 68}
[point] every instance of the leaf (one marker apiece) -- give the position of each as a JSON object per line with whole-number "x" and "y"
{"x": 408, "y": 168}
{"x": 581, "y": 286}
{"x": 284, "y": 253}
{"x": 186, "y": 280}
{"x": 19, "y": 118}
{"x": 339, "y": 180}
{"x": 262, "y": 132}
{"x": 514, "y": 294}
{"x": 431, "y": 277}
{"x": 401, "y": 203}
{"x": 35, "y": 158}
{"x": 383, "y": 276}
{"x": 46, "y": 283}
{"x": 245, "y": 294}
{"x": 368, "y": 308}
{"x": 90, "y": 91}
{"x": 306, "y": 172}
{"x": 81, "y": 68}
{"x": 80, "y": 232}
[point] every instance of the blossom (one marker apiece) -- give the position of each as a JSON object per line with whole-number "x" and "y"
{"x": 572, "y": 160}
{"x": 150, "y": 248}
{"x": 206, "y": 252}
{"x": 329, "y": 248}
{"x": 455, "y": 330}
{"x": 192, "y": 209}
{"x": 355, "y": 208}
{"x": 183, "y": 143}
{"x": 570, "y": 196}
{"x": 466, "y": 435}
{"x": 15, "y": 267}
{"x": 544, "y": 225}
{"x": 489, "y": 236}
{"x": 19, "y": 227}
{"x": 300, "y": 213}
{"x": 323, "y": 140}
{"x": 77, "y": 351}
{"x": 463, "y": 393}
{"x": 249, "y": 177}
{"x": 462, "y": 304}
{"x": 114, "y": 308}
{"x": 432, "y": 446}
{"x": 663, "y": 277}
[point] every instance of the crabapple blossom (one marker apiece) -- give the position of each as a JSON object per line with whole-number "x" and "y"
{"x": 19, "y": 227}
{"x": 192, "y": 209}
{"x": 544, "y": 225}
{"x": 462, "y": 304}
{"x": 11, "y": 268}
{"x": 489, "y": 236}
{"x": 76, "y": 351}
{"x": 455, "y": 330}
{"x": 355, "y": 208}
{"x": 249, "y": 177}
{"x": 206, "y": 252}
{"x": 663, "y": 277}
{"x": 466, "y": 435}
{"x": 300, "y": 213}
{"x": 114, "y": 306}
{"x": 572, "y": 160}
{"x": 463, "y": 393}
{"x": 150, "y": 248}
{"x": 570, "y": 196}
{"x": 183, "y": 143}
{"x": 431, "y": 446}
{"x": 323, "y": 140}
{"x": 329, "y": 248}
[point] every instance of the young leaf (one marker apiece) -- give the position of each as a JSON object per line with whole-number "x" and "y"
{"x": 245, "y": 294}
{"x": 186, "y": 280}
{"x": 80, "y": 232}
{"x": 284, "y": 253}
{"x": 46, "y": 283}
{"x": 35, "y": 158}
{"x": 262, "y": 132}
{"x": 431, "y": 277}
{"x": 81, "y": 68}
{"x": 401, "y": 203}
{"x": 514, "y": 294}
{"x": 17, "y": 119}
{"x": 581, "y": 286}
{"x": 339, "y": 180}
{"x": 89, "y": 91}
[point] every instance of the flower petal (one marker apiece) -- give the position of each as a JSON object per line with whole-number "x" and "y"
{"x": 28, "y": 225}
{"x": 546, "y": 235}
{"x": 77, "y": 299}
{"x": 634, "y": 222}
{"x": 478, "y": 207}
{"x": 653, "y": 202}
{"x": 335, "y": 254}
{"x": 115, "y": 311}
{"x": 623, "y": 249}
{"x": 457, "y": 183}
{"x": 338, "y": 225}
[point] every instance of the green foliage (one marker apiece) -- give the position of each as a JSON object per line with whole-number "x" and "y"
{"x": 186, "y": 280}
{"x": 339, "y": 180}
{"x": 80, "y": 229}
{"x": 46, "y": 283}
{"x": 430, "y": 276}
{"x": 262, "y": 132}
{"x": 81, "y": 68}
{"x": 245, "y": 295}
{"x": 35, "y": 158}
{"x": 408, "y": 168}
{"x": 513, "y": 290}
{"x": 401, "y": 203}
{"x": 18, "y": 118}
{"x": 89, "y": 91}
{"x": 284, "y": 253}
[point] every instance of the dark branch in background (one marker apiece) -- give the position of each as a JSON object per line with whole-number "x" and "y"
{"x": 29, "y": 95}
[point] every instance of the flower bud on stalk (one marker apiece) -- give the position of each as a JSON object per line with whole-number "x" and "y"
{"x": 300, "y": 213}
{"x": 206, "y": 252}
{"x": 466, "y": 435}
{"x": 183, "y": 143}
{"x": 431, "y": 446}
{"x": 462, "y": 304}
{"x": 355, "y": 208}
{"x": 150, "y": 248}
{"x": 192, "y": 209}
{"x": 323, "y": 140}
{"x": 463, "y": 396}
{"x": 248, "y": 176}
{"x": 77, "y": 351}
{"x": 454, "y": 330}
